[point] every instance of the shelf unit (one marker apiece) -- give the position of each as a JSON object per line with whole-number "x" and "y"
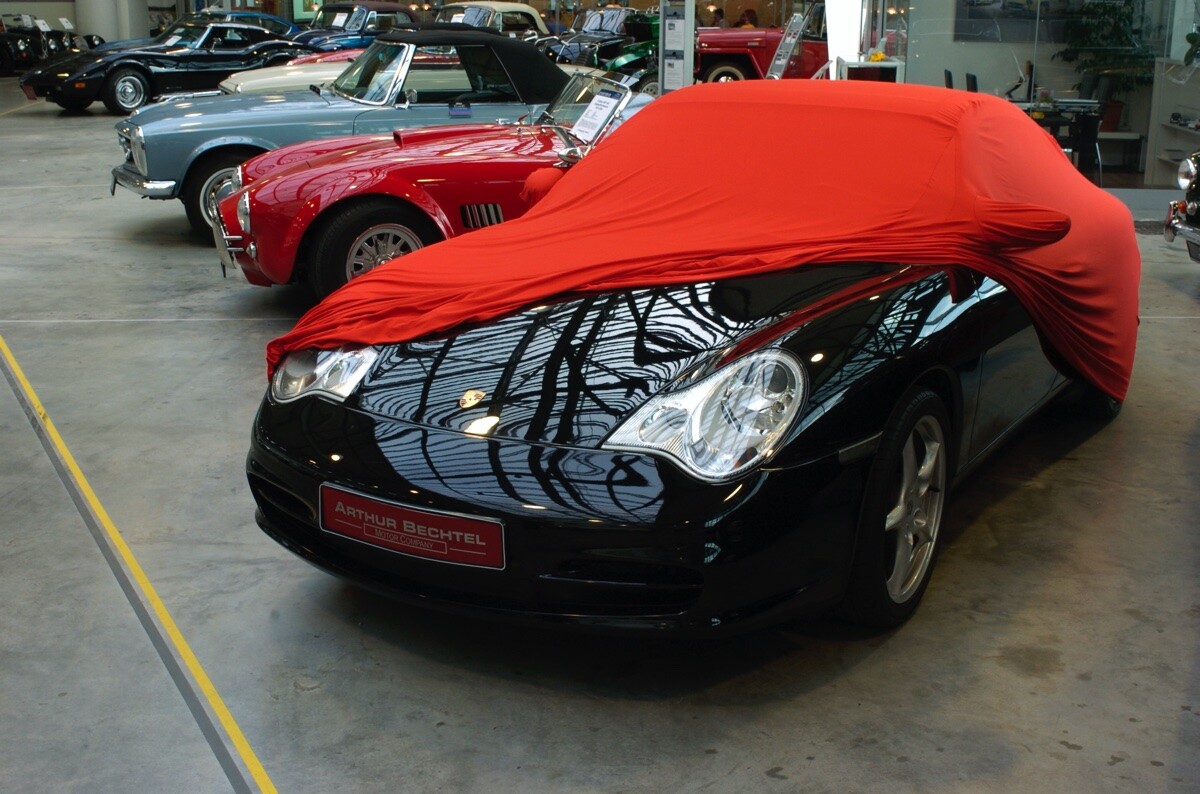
{"x": 1176, "y": 90}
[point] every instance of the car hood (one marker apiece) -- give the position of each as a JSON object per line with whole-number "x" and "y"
{"x": 209, "y": 112}
{"x": 413, "y": 148}
{"x": 280, "y": 79}
{"x": 70, "y": 63}
{"x": 570, "y": 372}
{"x": 322, "y": 36}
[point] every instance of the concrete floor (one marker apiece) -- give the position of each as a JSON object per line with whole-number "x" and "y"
{"x": 1057, "y": 650}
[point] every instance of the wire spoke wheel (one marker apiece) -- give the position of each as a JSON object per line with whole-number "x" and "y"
{"x": 377, "y": 245}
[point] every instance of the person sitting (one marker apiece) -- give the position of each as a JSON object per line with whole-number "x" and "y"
{"x": 718, "y": 19}
{"x": 748, "y": 19}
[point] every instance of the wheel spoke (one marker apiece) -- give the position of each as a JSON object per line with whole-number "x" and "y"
{"x": 929, "y": 467}
{"x": 902, "y": 563}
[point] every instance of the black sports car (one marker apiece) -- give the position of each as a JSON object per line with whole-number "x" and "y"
{"x": 660, "y": 420}
{"x": 16, "y": 53}
{"x": 196, "y": 56}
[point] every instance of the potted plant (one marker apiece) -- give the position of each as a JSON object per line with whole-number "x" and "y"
{"x": 1102, "y": 39}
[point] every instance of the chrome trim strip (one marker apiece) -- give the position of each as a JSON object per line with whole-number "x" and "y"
{"x": 859, "y": 450}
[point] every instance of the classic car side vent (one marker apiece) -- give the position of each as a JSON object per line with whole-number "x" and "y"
{"x": 476, "y": 216}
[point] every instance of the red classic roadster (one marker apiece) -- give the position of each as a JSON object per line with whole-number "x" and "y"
{"x": 324, "y": 212}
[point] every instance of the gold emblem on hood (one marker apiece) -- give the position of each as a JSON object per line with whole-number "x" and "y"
{"x": 471, "y": 398}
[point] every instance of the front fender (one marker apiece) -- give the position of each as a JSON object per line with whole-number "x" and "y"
{"x": 291, "y": 222}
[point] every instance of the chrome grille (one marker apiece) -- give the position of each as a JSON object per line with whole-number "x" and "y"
{"x": 476, "y": 216}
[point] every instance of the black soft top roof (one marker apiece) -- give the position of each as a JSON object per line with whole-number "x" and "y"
{"x": 535, "y": 76}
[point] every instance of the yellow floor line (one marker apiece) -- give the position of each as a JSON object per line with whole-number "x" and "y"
{"x": 14, "y": 110}
{"x": 149, "y": 596}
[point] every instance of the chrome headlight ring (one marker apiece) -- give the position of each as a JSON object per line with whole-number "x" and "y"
{"x": 1187, "y": 173}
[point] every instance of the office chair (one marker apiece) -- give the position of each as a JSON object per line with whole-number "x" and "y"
{"x": 972, "y": 83}
{"x": 949, "y": 79}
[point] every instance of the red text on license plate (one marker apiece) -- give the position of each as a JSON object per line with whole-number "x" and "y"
{"x": 444, "y": 537}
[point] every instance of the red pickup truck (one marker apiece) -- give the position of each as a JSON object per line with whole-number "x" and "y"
{"x": 724, "y": 54}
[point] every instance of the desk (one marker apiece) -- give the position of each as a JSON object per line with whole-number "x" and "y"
{"x": 1075, "y": 124}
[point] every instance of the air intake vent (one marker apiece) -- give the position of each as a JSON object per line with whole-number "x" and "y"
{"x": 476, "y": 216}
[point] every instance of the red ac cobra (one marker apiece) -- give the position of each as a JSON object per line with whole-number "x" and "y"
{"x": 324, "y": 212}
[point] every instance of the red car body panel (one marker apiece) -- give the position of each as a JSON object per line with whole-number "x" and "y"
{"x": 437, "y": 170}
{"x": 757, "y": 46}
{"x": 335, "y": 56}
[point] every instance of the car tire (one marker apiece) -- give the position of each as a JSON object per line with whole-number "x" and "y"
{"x": 898, "y": 528}
{"x": 724, "y": 72}
{"x": 362, "y": 236}
{"x": 125, "y": 91}
{"x": 1091, "y": 403}
{"x": 73, "y": 104}
{"x": 203, "y": 183}
{"x": 649, "y": 86}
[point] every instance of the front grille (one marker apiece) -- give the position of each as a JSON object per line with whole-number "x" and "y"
{"x": 476, "y": 216}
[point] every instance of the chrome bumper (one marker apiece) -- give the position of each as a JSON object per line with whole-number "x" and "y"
{"x": 129, "y": 179}
{"x": 227, "y": 245}
{"x": 1176, "y": 225}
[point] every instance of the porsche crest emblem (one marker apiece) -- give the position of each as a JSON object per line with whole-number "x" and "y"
{"x": 471, "y": 398}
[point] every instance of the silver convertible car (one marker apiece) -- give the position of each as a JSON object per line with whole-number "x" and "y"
{"x": 188, "y": 150}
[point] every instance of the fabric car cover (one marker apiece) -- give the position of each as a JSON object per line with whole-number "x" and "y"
{"x": 725, "y": 180}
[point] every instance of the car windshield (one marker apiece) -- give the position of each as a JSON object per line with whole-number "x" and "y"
{"x": 372, "y": 75}
{"x": 339, "y": 18}
{"x": 470, "y": 15}
{"x": 188, "y": 34}
{"x": 586, "y": 106}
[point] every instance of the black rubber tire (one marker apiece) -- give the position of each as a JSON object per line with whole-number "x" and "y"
{"x": 328, "y": 268}
{"x": 125, "y": 91}
{"x": 73, "y": 105}
{"x": 868, "y": 600}
{"x": 1091, "y": 403}
{"x": 724, "y": 71}
{"x": 197, "y": 180}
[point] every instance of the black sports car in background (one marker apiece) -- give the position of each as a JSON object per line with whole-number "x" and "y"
{"x": 194, "y": 57}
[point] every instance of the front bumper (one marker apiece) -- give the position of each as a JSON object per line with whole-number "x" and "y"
{"x": 608, "y": 541}
{"x": 1176, "y": 225}
{"x": 126, "y": 177}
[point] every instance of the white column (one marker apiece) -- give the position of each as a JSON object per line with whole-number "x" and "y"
{"x": 113, "y": 19}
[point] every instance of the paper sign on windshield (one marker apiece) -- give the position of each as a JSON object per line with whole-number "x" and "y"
{"x": 457, "y": 18}
{"x": 597, "y": 113}
{"x": 339, "y": 20}
{"x": 66, "y": 23}
{"x": 42, "y": 25}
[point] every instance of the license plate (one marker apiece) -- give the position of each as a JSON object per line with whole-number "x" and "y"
{"x": 1194, "y": 250}
{"x": 29, "y": 92}
{"x": 430, "y": 535}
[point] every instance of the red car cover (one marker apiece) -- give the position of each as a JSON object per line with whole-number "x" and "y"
{"x": 730, "y": 179}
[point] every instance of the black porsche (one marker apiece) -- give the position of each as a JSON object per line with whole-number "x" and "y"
{"x": 195, "y": 56}
{"x": 655, "y": 419}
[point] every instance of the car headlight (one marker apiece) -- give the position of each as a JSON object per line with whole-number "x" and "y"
{"x": 1187, "y": 173}
{"x": 334, "y": 373}
{"x": 22, "y": 45}
{"x": 724, "y": 424}
{"x": 243, "y": 212}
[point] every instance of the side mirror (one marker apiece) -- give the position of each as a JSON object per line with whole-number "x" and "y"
{"x": 410, "y": 96}
{"x": 571, "y": 155}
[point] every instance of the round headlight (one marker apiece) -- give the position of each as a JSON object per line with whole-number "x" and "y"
{"x": 1186, "y": 174}
{"x": 243, "y": 212}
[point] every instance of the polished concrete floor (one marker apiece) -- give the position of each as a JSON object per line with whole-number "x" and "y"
{"x": 153, "y": 639}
